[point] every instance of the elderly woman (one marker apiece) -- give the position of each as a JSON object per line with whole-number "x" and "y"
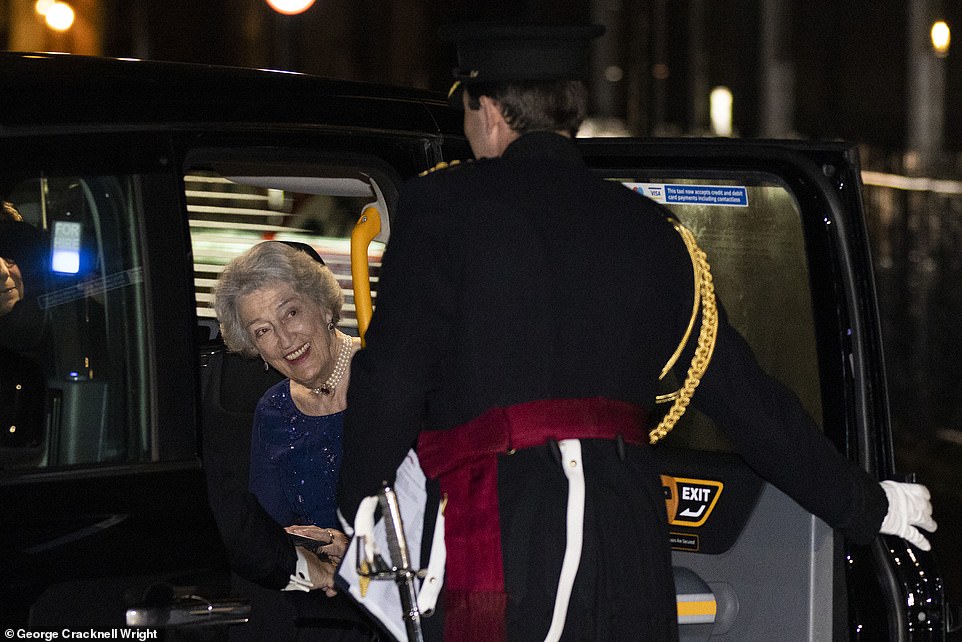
{"x": 281, "y": 304}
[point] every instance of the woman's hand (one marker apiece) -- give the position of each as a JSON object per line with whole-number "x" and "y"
{"x": 321, "y": 572}
{"x": 331, "y": 541}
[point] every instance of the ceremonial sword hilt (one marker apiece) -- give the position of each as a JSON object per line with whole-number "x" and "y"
{"x": 400, "y": 568}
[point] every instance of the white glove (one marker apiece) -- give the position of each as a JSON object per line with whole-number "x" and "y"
{"x": 909, "y": 508}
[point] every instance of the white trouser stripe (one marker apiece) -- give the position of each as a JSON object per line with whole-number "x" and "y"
{"x": 574, "y": 471}
{"x": 431, "y": 587}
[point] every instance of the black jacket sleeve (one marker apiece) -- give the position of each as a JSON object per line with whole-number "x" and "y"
{"x": 777, "y": 437}
{"x": 257, "y": 547}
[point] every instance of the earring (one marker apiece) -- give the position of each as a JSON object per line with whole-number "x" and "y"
{"x": 266, "y": 367}
{"x": 330, "y": 326}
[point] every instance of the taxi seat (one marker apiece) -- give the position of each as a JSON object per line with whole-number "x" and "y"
{"x": 231, "y": 386}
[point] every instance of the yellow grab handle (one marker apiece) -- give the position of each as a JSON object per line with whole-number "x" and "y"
{"x": 367, "y": 227}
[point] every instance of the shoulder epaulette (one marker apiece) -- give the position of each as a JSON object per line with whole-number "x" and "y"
{"x": 442, "y": 165}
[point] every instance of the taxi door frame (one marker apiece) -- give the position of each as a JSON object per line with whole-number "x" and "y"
{"x": 826, "y": 179}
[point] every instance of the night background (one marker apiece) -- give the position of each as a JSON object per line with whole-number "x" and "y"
{"x": 858, "y": 70}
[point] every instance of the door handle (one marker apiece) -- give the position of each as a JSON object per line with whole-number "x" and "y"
{"x": 169, "y": 607}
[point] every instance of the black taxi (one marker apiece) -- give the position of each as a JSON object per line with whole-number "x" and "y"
{"x": 143, "y": 179}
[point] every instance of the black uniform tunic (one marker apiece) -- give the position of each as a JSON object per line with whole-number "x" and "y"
{"x": 525, "y": 277}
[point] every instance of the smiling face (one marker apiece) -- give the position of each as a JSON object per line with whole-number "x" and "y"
{"x": 290, "y": 332}
{"x": 11, "y": 285}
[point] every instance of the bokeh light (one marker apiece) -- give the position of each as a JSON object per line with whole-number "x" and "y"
{"x": 290, "y": 7}
{"x": 60, "y": 16}
{"x": 941, "y": 38}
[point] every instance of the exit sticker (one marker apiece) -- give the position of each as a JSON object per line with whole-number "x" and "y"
{"x": 690, "y": 501}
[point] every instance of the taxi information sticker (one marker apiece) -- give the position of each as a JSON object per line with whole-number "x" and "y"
{"x": 684, "y": 541}
{"x": 672, "y": 194}
{"x": 690, "y": 501}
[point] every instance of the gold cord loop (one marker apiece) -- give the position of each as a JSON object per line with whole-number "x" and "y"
{"x": 704, "y": 298}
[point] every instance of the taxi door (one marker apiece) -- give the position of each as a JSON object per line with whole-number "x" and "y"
{"x": 101, "y": 491}
{"x": 783, "y": 229}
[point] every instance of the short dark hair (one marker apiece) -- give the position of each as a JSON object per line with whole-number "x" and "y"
{"x": 536, "y": 105}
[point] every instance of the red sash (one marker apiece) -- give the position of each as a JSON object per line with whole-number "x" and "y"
{"x": 465, "y": 461}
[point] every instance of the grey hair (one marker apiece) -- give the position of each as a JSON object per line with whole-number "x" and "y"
{"x": 269, "y": 264}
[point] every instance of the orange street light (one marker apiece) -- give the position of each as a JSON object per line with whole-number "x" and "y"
{"x": 290, "y": 7}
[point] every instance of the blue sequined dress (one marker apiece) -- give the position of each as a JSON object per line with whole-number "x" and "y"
{"x": 295, "y": 460}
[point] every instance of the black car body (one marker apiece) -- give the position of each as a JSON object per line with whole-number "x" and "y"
{"x": 145, "y": 178}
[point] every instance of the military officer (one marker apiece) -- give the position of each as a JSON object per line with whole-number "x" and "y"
{"x": 528, "y": 406}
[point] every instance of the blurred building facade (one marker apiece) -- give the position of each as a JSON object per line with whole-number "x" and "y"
{"x": 817, "y": 69}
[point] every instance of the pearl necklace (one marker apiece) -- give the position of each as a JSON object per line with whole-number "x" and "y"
{"x": 343, "y": 358}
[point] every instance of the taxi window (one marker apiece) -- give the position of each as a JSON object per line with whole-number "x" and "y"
{"x": 755, "y": 242}
{"x": 72, "y": 330}
{"x": 233, "y": 206}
